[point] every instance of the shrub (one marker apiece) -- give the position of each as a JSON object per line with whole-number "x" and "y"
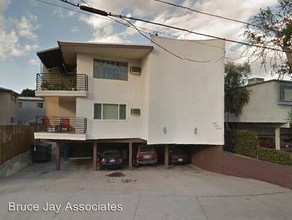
{"x": 246, "y": 143}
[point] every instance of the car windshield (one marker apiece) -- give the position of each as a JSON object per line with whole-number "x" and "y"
{"x": 111, "y": 154}
{"x": 146, "y": 149}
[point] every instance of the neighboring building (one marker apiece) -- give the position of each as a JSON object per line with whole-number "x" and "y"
{"x": 122, "y": 93}
{"x": 8, "y": 107}
{"x": 255, "y": 80}
{"x": 29, "y": 108}
{"x": 267, "y": 110}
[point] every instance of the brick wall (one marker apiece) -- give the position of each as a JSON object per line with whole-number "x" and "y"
{"x": 214, "y": 159}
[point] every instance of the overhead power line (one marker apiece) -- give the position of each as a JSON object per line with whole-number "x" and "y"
{"x": 142, "y": 29}
{"x": 70, "y": 3}
{"x": 206, "y": 13}
{"x": 145, "y": 29}
{"x": 167, "y": 50}
{"x": 131, "y": 25}
{"x": 104, "y": 13}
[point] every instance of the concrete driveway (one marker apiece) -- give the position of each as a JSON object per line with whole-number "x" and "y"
{"x": 182, "y": 192}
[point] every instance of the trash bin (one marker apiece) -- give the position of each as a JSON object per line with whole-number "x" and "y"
{"x": 41, "y": 152}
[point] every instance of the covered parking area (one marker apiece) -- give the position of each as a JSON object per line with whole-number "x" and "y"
{"x": 278, "y": 132}
{"x": 128, "y": 148}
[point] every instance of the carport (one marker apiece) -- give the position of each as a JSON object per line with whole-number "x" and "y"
{"x": 130, "y": 143}
{"x": 98, "y": 143}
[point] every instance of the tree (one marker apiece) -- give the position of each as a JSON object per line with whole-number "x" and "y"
{"x": 272, "y": 27}
{"x": 236, "y": 96}
{"x": 28, "y": 92}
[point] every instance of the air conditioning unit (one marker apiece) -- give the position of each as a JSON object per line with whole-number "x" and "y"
{"x": 135, "y": 70}
{"x": 135, "y": 111}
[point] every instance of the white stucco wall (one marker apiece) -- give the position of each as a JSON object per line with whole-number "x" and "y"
{"x": 110, "y": 92}
{"x": 186, "y": 98}
{"x": 263, "y": 105}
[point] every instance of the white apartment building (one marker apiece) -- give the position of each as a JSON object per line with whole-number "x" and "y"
{"x": 267, "y": 111}
{"x": 134, "y": 93}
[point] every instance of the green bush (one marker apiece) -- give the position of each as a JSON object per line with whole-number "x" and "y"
{"x": 246, "y": 143}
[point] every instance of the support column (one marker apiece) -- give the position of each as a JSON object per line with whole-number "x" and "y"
{"x": 277, "y": 138}
{"x": 130, "y": 155}
{"x": 166, "y": 156}
{"x": 57, "y": 156}
{"x": 94, "y": 156}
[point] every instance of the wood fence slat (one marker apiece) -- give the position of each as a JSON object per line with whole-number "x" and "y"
{"x": 14, "y": 140}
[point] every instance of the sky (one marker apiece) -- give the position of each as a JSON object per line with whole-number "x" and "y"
{"x": 28, "y": 26}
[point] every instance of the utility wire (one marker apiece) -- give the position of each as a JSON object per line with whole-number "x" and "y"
{"x": 205, "y": 13}
{"x": 188, "y": 8}
{"x": 143, "y": 28}
{"x": 213, "y": 15}
{"x": 104, "y": 13}
{"x": 144, "y": 35}
{"x": 147, "y": 29}
{"x": 60, "y": 6}
{"x": 165, "y": 49}
{"x": 70, "y": 3}
{"x": 131, "y": 25}
{"x": 86, "y": 3}
{"x": 153, "y": 40}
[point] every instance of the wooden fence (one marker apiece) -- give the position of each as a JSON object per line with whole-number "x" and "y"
{"x": 14, "y": 140}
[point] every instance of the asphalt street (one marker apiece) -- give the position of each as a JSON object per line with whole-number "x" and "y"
{"x": 151, "y": 192}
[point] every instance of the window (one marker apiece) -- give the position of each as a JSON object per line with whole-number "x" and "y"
{"x": 122, "y": 112}
{"x": 40, "y": 105}
{"x": 109, "y": 111}
{"x": 19, "y": 104}
{"x": 106, "y": 69}
{"x": 97, "y": 111}
{"x": 285, "y": 94}
{"x": 13, "y": 98}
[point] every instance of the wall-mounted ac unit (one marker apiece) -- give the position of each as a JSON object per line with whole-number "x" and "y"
{"x": 135, "y": 70}
{"x": 135, "y": 111}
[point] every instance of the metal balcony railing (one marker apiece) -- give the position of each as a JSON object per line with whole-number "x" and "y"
{"x": 54, "y": 124}
{"x": 54, "y": 81}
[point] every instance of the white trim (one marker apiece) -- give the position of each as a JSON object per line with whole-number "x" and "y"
{"x": 59, "y": 136}
{"x": 61, "y": 93}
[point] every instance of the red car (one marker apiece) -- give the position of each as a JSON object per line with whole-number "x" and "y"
{"x": 270, "y": 143}
{"x": 177, "y": 156}
{"x": 145, "y": 155}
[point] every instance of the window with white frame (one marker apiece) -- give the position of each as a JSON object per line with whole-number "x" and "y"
{"x": 109, "y": 111}
{"x": 106, "y": 69}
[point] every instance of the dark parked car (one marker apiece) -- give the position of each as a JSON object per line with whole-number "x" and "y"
{"x": 177, "y": 156}
{"x": 145, "y": 155}
{"x": 111, "y": 159}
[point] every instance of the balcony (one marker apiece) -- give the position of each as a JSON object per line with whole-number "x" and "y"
{"x": 60, "y": 128}
{"x": 55, "y": 84}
